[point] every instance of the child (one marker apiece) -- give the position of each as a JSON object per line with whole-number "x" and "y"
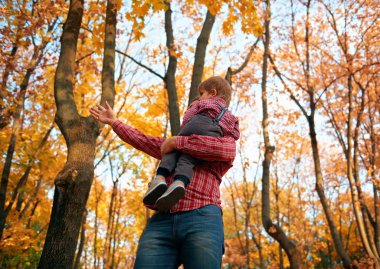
{"x": 208, "y": 116}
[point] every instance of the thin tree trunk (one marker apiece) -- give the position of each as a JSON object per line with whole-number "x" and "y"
{"x": 5, "y": 115}
{"x": 235, "y": 219}
{"x": 109, "y": 232}
{"x": 73, "y": 183}
{"x": 277, "y": 199}
{"x": 257, "y": 243}
{"x": 170, "y": 74}
{"x": 317, "y": 165}
{"x": 353, "y": 186}
{"x": 24, "y": 178}
{"x": 321, "y": 193}
{"x": 116, "y": 233}
{"x": 9, "y": 66}
{"x": 31, "y": 199}
{"x": 200, "y": 54}
{"x": 272, "y": 229}
{"x": 81, "y": 242}
{"x": 32, "y": 212}
{"x": 372, "y": 176}
{"x": 17, "y": 123}
{"x": 96, "y": 227}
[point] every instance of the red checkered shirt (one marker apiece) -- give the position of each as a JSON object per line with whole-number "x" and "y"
{"x": 218, "y": 154}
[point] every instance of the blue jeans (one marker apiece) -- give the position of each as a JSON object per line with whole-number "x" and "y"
{"x": 192, "y": 238}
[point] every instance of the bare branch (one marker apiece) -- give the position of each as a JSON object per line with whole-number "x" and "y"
{"x": 140, "y": 64}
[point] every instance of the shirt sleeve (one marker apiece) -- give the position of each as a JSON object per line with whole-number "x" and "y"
{"x": 208, "y": 148}
{"x": 148, "y": 144}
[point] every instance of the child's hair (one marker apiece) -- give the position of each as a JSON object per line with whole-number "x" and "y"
{"x": 222, "y": 87}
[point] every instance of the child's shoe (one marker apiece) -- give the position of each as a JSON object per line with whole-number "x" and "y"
{"x": 172, "y": 195}
{"x": 156, "y": 188}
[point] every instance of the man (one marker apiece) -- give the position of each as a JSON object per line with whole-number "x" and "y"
{"x": 191, "y": 233}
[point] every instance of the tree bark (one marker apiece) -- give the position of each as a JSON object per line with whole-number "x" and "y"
{"x": 73, "y": 183}
{"x": 200, "y": 54}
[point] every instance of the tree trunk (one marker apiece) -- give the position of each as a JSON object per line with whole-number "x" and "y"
{"x": 200, "y": 54}
{"x": 96, "y": 227}
{"x": 257, "y": 243}
{"x": 9, "y": 67}
{"x": 73, "y": 183}
{"x": 372, "y": 253}
{"x": 109, "y": 232}
{"x": 169, "y": 78}
{"x": 321, "y": 194}
{"x": 272, "y": 229}
{"x": 17, "y": 123}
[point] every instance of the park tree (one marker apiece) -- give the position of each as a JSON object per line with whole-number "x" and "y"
{"x": 73, "y": 183}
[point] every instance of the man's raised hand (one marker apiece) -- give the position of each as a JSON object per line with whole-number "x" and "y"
{"x": 103, "y": 114}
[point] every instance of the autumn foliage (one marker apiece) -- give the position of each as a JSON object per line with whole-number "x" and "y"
{"x": 323, "y": 104}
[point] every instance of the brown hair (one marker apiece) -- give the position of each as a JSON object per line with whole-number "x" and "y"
{"x": 222, "y": 87}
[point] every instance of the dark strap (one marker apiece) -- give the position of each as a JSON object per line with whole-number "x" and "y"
{"x": 221, "y": 114}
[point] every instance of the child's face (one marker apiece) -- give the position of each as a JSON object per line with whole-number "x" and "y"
{"x": 203, "y": 94}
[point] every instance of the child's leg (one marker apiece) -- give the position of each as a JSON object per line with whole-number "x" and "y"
{"x": 167, "y": 164}
{"x": 182, "y": 176}
{"x": 158, "y": 186}
{"x": 185, "y": 168}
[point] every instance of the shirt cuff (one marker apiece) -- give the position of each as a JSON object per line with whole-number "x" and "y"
{"x": 116, "y": 124}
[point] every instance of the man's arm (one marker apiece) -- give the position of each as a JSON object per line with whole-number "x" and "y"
{"x": 148, "y": 144}
{"x": 207, "y": 148}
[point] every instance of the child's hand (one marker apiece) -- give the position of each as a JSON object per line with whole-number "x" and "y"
{"x": 103, "y": 114}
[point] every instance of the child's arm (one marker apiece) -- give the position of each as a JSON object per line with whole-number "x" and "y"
{"x": 148, "y": 144}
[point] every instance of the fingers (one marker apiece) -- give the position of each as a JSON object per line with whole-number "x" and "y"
{"x": 100, "y": 108}
{"x": 95, "y": 112}
{"x": 108, "y": 106}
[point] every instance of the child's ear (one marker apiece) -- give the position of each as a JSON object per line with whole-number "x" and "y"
{"x": 213, "y": 92}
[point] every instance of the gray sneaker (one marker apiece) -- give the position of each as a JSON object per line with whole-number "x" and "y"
{"x": 172, "y": 195}
{"x": 155, "y": 190}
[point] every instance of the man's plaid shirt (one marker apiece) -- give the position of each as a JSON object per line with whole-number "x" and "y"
{"x": 218, "y": 154}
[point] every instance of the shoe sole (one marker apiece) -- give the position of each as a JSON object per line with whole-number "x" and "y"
{"x": 164, "y": 203}
{"x": 151, "y": 197}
